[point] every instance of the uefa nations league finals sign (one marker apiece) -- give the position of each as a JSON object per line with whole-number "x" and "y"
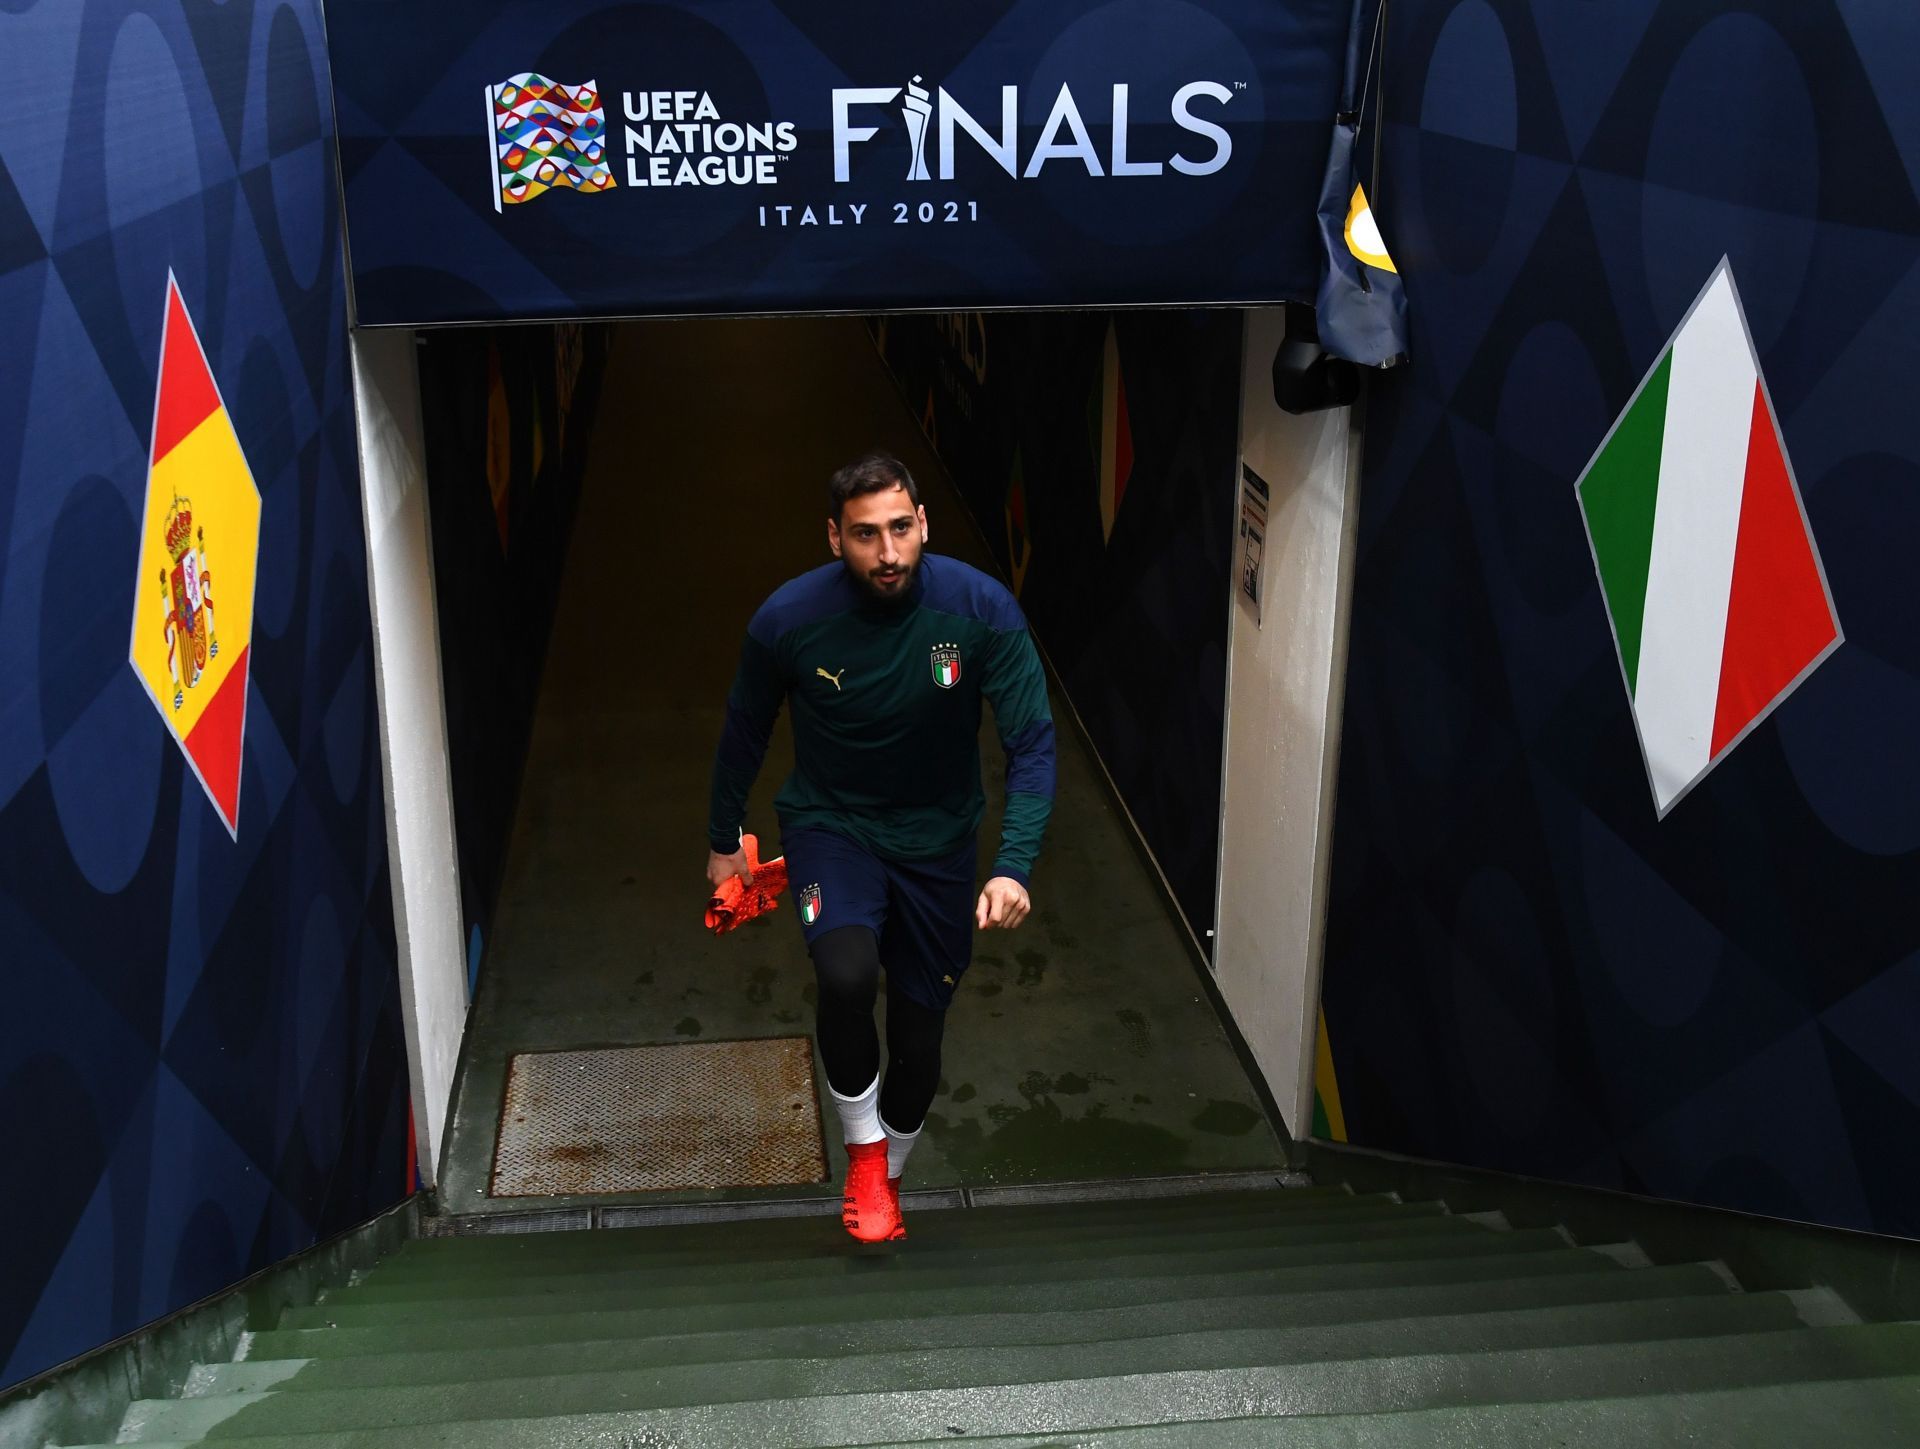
{"x": 553, "y": 158}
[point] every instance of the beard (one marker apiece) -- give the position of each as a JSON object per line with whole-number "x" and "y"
{"x": 891, "y": 590}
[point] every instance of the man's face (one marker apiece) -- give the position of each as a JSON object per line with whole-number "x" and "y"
{"x": 879, "y": 537}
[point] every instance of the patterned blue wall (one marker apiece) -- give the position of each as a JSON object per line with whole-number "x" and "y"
{"x": 1524, "y": 969}
{"x": 201, "y": 1068}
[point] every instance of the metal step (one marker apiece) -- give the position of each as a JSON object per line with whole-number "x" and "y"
{"x": 431, "y": 1360}
{"x": 1871, "y": 1414}
{"x": 586, "y": 1252}
{"x": 902, "y": 1272}
{"x": 1325, "y": 1280}
{"x": 784, "y": 1422}
{"x": 833, "y": 1251}
{"x": 665, "y": 1342}
{"x": 388, "y": 1390}
{"x": 724, "y": 1222}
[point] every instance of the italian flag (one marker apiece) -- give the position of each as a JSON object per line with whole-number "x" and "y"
{"x": 1712, "y": 582}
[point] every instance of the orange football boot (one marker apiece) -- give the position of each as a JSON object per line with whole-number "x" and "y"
{"x": 870, "y": 1206}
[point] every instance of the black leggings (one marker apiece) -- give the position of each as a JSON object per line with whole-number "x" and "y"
{"x": 846, "y": 964}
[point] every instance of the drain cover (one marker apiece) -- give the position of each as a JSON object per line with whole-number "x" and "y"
{"x": 657, "y": 1118}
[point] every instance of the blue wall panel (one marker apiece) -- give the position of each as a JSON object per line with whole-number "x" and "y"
{"x": 201, "y": 1068}
{"x": 1524, "y": 969}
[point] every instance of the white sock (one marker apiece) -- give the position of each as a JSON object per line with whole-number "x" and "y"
{"x": 899, "y": 1144}
{"x": 859, "y": 1116}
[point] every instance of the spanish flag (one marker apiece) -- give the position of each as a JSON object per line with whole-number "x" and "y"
{"x": 199, "y": 541}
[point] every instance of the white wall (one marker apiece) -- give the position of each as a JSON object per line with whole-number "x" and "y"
{"x": 1285, "y": 673}
{"x": 413, "y": 726}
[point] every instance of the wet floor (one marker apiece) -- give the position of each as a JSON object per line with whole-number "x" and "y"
{"x": 1079, "y": 1046}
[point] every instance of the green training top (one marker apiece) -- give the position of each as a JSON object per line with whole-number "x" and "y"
{"x": 886, "y": 714}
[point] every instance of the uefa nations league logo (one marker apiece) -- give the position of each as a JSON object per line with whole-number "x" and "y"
{"x": 545, "y": 135}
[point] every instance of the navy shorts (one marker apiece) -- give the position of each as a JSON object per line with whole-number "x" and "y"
{"x": 921, "y": 910}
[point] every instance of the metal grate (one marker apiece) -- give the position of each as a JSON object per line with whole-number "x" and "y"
{"x": 658, "y": 1118}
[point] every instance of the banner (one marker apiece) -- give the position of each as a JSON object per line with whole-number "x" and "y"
{"x": 1362, "y": 308}
{"x": 574, "y": 159}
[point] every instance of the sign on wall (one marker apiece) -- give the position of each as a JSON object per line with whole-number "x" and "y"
{"x": 1712, "y": 581}
{"x": 199, "y": 543}
{"x": 576, "y": 159}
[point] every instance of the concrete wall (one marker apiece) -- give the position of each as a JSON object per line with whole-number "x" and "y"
{"x": 413, "y": 726}
{"x": 1286, "y": 662}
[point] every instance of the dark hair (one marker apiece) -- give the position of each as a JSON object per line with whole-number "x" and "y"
{"x": 873, "y": 473}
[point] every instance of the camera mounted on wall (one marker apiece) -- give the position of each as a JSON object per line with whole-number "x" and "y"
{"x": 1306, "y": 378}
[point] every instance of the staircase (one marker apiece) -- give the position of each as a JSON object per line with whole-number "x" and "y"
{"x": 1307, "y": 1316}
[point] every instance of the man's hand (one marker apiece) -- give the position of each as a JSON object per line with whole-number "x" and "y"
{"x": 1003, "y": 902}
{"x": 720, "y": 867}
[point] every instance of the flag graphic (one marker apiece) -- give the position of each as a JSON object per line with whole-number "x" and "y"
{"x": 1329, "y": 1121}
{"x": 1019, "y": 540}
{"x": 1116, "y": 435}
{"x": 545, "y": 135}
{"x": 946, "y": 665}
{"x": 1361, "y": 306}
{"x": 1362, "y": 233}
{"x": 1709, "y": 572}
{"x": 499, "y": 445}
{"x": 199, "y": 543}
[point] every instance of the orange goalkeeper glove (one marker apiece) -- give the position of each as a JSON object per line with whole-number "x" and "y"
{"x": 735, "y": 902}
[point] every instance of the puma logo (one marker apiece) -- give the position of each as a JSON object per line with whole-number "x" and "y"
{"x": 835, "y": 678}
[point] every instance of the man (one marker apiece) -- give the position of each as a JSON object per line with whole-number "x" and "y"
{"x": 885, "y": 656}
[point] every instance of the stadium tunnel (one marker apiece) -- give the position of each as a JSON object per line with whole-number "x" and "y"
{"x": 604, "y": 506}
{"x": 571, "y": 520}
{"x": 1629, "y": 1099}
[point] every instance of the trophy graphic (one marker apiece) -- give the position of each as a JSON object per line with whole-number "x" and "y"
{"x": 916, "y": 111}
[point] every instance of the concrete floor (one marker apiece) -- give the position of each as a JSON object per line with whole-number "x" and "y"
{"x": 1080, "y": 1046}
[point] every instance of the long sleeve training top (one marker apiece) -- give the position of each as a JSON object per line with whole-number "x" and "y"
{"x": 886, "y": 714}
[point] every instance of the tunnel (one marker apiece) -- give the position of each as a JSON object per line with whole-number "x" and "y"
{"x": 1470, "y": 990}
{"x": 592, "y": 601}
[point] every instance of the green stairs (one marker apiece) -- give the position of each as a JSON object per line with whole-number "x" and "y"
{"x": 1308, "y": 1316}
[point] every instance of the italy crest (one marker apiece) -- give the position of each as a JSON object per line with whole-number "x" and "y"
{"x": 809, "y": 904}
{"x": 201, "y": 505}
{"x": 946, "y": 665}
